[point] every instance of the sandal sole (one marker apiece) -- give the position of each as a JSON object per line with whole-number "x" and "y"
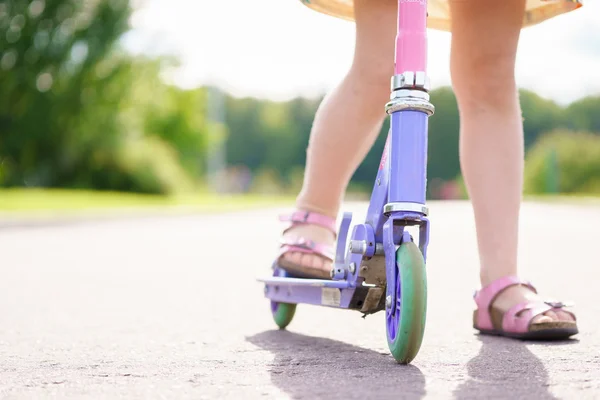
{"x": 546, "y": 331}
{"x": 541, "y": 335}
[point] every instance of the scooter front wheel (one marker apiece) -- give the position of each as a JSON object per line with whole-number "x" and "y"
{"x": 406, "y": 323}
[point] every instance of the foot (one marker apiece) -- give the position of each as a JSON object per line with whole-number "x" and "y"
{"x": 514, "y": 295}
{"x": 510, "y": 306}
{"x": 307, "y": 245}
{"x": 309, "y": 260}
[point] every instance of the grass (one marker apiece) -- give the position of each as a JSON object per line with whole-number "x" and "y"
{"x": 62, "y": 200}
{"x": 577, "y": 199}
{"x": 34, "y": 201}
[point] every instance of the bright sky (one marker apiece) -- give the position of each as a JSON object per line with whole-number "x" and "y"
{"x": 280, "y": 49}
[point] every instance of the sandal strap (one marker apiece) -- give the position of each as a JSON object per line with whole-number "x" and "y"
{"x": 514, "y": 323}
{"x": 310, "y": 218}
{"x": 486, "y": 296}
{"x": 303, "y": 245}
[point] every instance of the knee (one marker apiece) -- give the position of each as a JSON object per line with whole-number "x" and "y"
{"x": 372, "y": 79}
{"x": 485, "y": 83}
{"x": 373, "y": 63}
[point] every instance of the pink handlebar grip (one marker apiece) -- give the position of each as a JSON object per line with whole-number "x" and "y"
{"x": 411, "y": 40}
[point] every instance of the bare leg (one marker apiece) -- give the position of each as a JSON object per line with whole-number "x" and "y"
{"x": 347, "y": 122}
{"x": 485, "y": 35}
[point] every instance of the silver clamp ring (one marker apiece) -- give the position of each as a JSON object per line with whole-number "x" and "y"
{"x": 408, "y": 103}
{"x": 407, "y": 207}
{"x": 409, "y": 94}
{"x": 410, "y": 79}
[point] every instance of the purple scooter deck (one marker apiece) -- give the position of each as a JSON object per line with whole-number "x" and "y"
{"x": 320, "y": 292}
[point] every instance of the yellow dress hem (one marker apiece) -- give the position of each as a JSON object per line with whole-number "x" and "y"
{"x": 439, "y": 18}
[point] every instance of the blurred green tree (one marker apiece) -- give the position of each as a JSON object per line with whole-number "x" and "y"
{"x": 266, "y": 135}
{"x": 584, "y": 114}
{"x": 60, "y": 86}
{"x": 174, "y": 115}
{"x": 539, "y": 115}
{"x": 565, "y": 162}
{"x": 77, "y": 111}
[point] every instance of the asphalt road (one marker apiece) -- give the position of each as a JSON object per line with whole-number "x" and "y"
{"x": 168, "y": 307}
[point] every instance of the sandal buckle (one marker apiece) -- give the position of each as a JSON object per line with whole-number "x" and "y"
{"x": 559, "y": 304}
{"x": 309, "y": 244}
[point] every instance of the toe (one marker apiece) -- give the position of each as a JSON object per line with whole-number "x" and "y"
{"x": 320, "y": 263}
{"x": 312, "y": 261}
{"x": 294, "y": 257}
{"x": 564, "y": 316}
{"x": 552, "y": 315}
{"x": 540, "y": 319}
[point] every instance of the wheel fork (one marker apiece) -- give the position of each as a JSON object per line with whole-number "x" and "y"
{"x": 394, "y": 235}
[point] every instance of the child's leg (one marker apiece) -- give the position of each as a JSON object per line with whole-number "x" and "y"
{"x": 347, "y": 123}
{"x": 484, "y": 44}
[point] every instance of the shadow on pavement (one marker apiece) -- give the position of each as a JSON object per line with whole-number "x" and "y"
{"x": 505, "y": 368}
{"x": 307, "y": 367}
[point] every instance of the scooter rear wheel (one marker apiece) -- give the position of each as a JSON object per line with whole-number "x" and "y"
{"x": 283, "y": 313}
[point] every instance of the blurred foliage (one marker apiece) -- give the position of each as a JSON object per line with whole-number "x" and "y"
{"x": 76, "y": 111}
{"x": 61, "y": 87}
{"x": 564, "y": 162}
{"x": 267, "y": 136}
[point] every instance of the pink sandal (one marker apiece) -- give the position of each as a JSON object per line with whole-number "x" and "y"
{"x": 303, "y": 245}
{"x": 516, "y": 322}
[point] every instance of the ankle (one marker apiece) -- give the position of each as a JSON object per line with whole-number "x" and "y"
{"x": 487, "y": 276}
{"x": 303, "y": 205}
